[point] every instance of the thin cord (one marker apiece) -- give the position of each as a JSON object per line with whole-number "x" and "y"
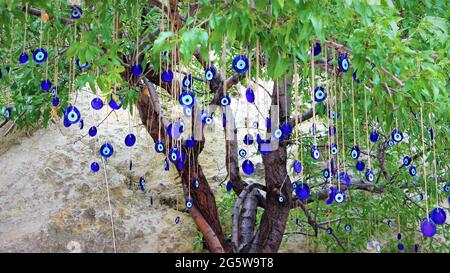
{"x": 109, "y": 205}
{"x": 424, "y": 161}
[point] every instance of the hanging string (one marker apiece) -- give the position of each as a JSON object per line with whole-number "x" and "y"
{"x": 424, "y": 162}
{"x": 109, "y": 205}
{"x": 40, "y": 30}
{"x": 330, "y": 130}
{"x": 342, "y": 126}
{"x": 224, "y": 48}
{"x": 137, "y": 31}
{"x": 46, "y": 63}
{"x": 353, "y": 111}
{"x": 25, "y": 27}
{"x": 312, "y": 96}
{"x": 338, "y": 159}
{"x": 367, "y": 128}
{"x": 433, "y": 141}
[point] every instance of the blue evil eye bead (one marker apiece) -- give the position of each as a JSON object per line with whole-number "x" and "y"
{"x": 355, "y": 152}
{"x": 54, "y": 91}
{"x": 40, "y": 55}
{"x": 210, "y": 73}
{"x": 130, "y": 140}
{"x": 302, "y": 191}
{"x": 259, "y": 140}
{"x": 343, "y": 62}
{"x": 326, "y": 173}
{"x": 297, "y": 166}
{"x": 416, "y": 248}
{"x": 23, "y": 58}
{"x": 369, "y": 176}
{"x": 374, "y": 137}
{"x": 332, "y": 131}
{"x": 419, "y": 197}
{"x": 208, "y": 120}
{"x": 406, "y": 160}
{"x": 248, "y": 139}
{"x": 166, "y": 164}
{"x": 191, "y": 142}
{"x": 313, "y": 129}
{"x": 400, "y": 246}
{"x": 268, "y": 124}
{"x": 348, "y": 227}
{"x": 174, "y": 155}
{"x": 390, "y": 143}
{"x": 187, "y": 99}
{"x": 106, "y": 150}
{"x": 72, "y": 115}
{"x": 130, "y": 166}
{"x": 447, "y": 188}
{"x": 344, "y": 177}
{"x": 196, "y": 183}
{"x": 334, "y": 149}
{"x": 390, "y": 223}
{"x": 187, "y": 81}
{"x": 136, "y": 70}
{"x": 255, "y": 125}
{"x": 329, "y": 230}
{"x": 412, "y": 171}
{"x": 1, "y": 74}
{"x": 67, "y": 123}
{"x": 360, "y": 166}
{"x": 229, "y": 185}
{"x": 177, "y": 220}
{"x": 81, "y": 124}
{"x": 438, "y": 216}
{"x": 97, "y": 103}
{"x": 317, "y": 48}
{"x": 286, "y": 128}
{"x": 240, "y": 64}
{"x": 294, "y": 185}
{"x": 278, "y": 133}
{"x": 81, "y": 65}
{"x": 339, "y": 197}
{"x": 250, "y": 95}
{"x": 331, "y": 195}
{"x": 142, "y": 183}
{"x": 225, "y": 101}
{"x": 428, "y": 228}
{"x": 167, "y": 76}
{"x": 95, "y": 167}
{"x": 46, "y": 85}
{"x": 247, "y": 167}
{"x": 430, "y": 132}
{"x": 399, "y": 236}
{"x": 76, "y": 12}
{"x": 397, "y": 135}
{"x": 332, "y": 114}
{"x": 189, "y": 203}
{"x": 242, "y": 153}
{"x": 92, "y": 131}
{"x": 115, "y": 101}
{"x": 187, "y": 111}
{"x": 319, "y": 94}
{"x": 280, "y": 199}
{"x": 55, "y": 101}
{"x": 315, "y": 153}
{"x": 355, "y": 77}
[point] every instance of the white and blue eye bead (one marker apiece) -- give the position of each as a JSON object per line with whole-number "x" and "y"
{"x": 81, "y": 65}
{"x": 248, "y": 139}
{"x": 240, "y": 64}
{"x": 339, "y": 197}
{"x": 177, "y": 220}
{"x": 142, "y": 183}
{"x": 348, "y": 227}
{"x": 278, "y": 133}
{"x": 369, "y": 175}
{"x": 447, "y": 188}
{"x": 40, "y": 55}
{"x": 355, "y": 77}
{"x": 8, "y": 112}
{"x": 81, "y": 124}
{"x": 95, "y": 167}
{"x": 326, "y": 173}
{"x": 189, "y": 203}
{"x": 210, "y": 73}
{"x": 355, "y": 153}
{"x": 317, "y": 48}
{"x": 334, "y": 149}
{"x": 174, "y": 155}
{"x": 343, "y": 62}
{"x": 54, "y": 91}
{"x": 225, "y": 101}
{"x": 331, "y": 130}
{"x": 159, "y": 147}
{"x": 92, "y": 131}
{"x": 315, "y": 153}
{"x": 130, "y": 140}
{"x": 390, "y": 223}
{"x": 167, "y": 76}
{"x": 136, "y": 70}
{"x": 412, "y": 171}
{"x": 255, "y": 125}
{"x": 406, "y": 160}
{"x": 23, "y": 58}
{"x": 360, "y": 166}
{"x": 196, "y": 183}
{"x": 187, "y": 81}
{"x": 187, "y": 111}
{"x": 97, "y": 103}
{"x": 250, "y": 95}
{"x": 390, "y": 143}
{"x": 247, "y": 167}
{"x": 72, "y": 115}
{"x": 46, "y": 85}
{"x": 130, "y": 166}
{"x": 329, "y": 230}
{"x": 187, "y": 99}
{"x": 397, "y": 135}
{"x": 419, "y": 197}
{"x": 319, "y": 94}
{"x": 242, "y": 153}
{"x": 208, "y": 120}
{"x": 106, "y": 150}
{"x": 115, "y": 101}
{"x": 76, "y": 12}
{"x": 280, "y": 199}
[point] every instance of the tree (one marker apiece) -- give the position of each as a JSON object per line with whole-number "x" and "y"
{"x": 383, "y": 66}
